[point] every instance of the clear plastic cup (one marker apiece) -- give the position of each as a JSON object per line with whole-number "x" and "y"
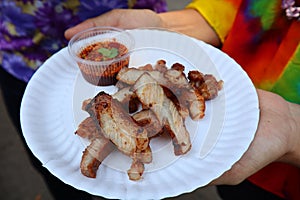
{"x": 101, "y": 52}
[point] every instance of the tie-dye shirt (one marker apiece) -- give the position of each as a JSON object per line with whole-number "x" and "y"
{"x": 261, "y": 38}
{"x": 33, "y": 30}
{"x": 265, "y": 40}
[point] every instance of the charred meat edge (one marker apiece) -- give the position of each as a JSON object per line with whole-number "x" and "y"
{"x": 93, "y": 156}
{"x": 151, "y": 94}
{"x": 117, "y": 125}
{"x": 176, "y": 86}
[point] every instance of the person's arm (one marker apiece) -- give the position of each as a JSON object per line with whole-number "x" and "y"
{"x": 277, "y": 139}
{"x": 191, "y": 23}
{"x": 186, "y": 21}
{"x": 293, "y": 155}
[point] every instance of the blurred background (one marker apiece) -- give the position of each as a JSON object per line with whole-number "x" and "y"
{"x": 19, "y": 180}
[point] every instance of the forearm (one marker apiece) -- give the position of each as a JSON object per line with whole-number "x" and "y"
{"x": 293, "y": 156}
{"x": 191, "y": 23}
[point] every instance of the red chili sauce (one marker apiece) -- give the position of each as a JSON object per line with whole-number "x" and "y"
{"x": 103, "y": 74}
{"x": 102, "y": 51}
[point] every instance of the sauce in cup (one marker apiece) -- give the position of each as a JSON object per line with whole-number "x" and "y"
{"x": 101, "y": 52}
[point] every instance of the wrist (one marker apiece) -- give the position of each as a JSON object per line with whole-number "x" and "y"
{"x": 293, "y": 155}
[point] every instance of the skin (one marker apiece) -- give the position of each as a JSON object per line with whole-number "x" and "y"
{"x": 278, "y": 134}
{"x": 277, "y": 139}
{"x": 186, "y": 21}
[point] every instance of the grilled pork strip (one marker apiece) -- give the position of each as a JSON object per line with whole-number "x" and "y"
{"x": 144, "y": 156}
{"x": 128, "y": 99}
{"x": 94, "y": 154}
{"x": 206, "y": 84}
{"x": 136, "y": 170}
{"x": 148, "y": 120}
{"x": 88, "y": 129}
{"x": 150, "y": 93}
{"x": 186, "y": 97}
{"x": 195, "y": 103}
{"x": 130, "y": 75}
{"x": 171, "y": 78}
{"x": 117, "y": 125}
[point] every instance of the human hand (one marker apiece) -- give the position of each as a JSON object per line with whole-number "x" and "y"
{"x": 120, "y": 18}
{"x": 277, "y": 139}
{"x": 186, "y": 21}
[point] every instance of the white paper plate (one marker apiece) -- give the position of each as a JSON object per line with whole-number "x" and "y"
{"x": 51, "y": 112}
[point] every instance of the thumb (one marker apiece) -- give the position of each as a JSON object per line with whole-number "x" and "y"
{"x": 69, "y": 33}
{"x": 107, "y": 19}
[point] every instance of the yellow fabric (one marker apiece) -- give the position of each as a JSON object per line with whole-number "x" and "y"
{"x": 220, "y": 14}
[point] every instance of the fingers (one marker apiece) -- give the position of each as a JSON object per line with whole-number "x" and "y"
{"x": 69, "y": 33}
{"x": 234, "y": 176}
{"x": 269, "y": 144}
{"x": 120, "y": 18}
{"x": 259, "y": 154}
{"x": 108, "y": 19}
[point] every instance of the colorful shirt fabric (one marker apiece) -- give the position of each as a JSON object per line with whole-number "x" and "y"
{"x": 33, "y": 30}
{"x": 260, "y": 36}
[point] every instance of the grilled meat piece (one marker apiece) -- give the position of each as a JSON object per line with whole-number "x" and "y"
{"x": 179, "y": 101}
{"x": 178, "y": 67}
{"x": 172, "y": 78}
{"x": 148, "y": 120}
{"x": 136, "y": 170}
{"x": 147, "y": 67}
{"x": 195, "y": 103}
{"x": 206, "y": 84}
{"x": 84, "y": 103}
{"x": 176, "y": 86}
{"x": 123, "y": 95}
{"x": 211, "y": 87}
{"x": 144, "y": 156}
{"x": 176, "y": 79}
{"x": 150, "y": 93}
{"x": 166, "y": 97}
{"x": 94, "y": 154}
{"x": 89, "y": 129}
{"x": 128, "y": 99}
{"x": 130, "y": 75}
{"x": 117, "y": 125}
{"x": 161, "y": 66}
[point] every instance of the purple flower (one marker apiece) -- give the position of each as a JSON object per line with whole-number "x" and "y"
{"x": 51, "y": 45}
{"x": 155, "y": 5}
{"x": 287, "y": 3}
{"x": 293, "y": 12}
{"x": 11, "y": 13}
{"x": 290, "y": 10}
{"x": 15, "y": 43}
{"x": 12, "y": 42}
{"x": 15, "y": 65}
{"x": 93, "y": 8}
{"x": 53, "y": 20}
